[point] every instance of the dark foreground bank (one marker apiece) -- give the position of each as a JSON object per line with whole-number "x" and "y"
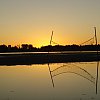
{"x": 42, "y": 58}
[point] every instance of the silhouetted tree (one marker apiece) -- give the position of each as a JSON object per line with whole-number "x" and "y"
{"x": 3, "y": 48}
{"x": 49, "y": 48}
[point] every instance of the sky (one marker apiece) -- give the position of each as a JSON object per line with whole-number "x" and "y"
{"x": 32, "y": 21}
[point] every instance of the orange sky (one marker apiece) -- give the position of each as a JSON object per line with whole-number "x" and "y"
{"x": 32, "y": 21}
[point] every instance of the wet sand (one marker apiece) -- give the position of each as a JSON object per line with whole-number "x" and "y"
{"x": 43, "y": 58}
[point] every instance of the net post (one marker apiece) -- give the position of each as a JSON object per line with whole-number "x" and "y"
{"x": 48, "y": 62}
{"x": 97, "y": 70}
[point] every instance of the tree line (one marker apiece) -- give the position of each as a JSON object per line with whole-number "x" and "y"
{"x": 31, "y": 48}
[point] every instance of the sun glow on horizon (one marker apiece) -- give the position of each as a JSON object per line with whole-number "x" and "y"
{"x": 65, "y": 37}
{"x": 32, "y": 21}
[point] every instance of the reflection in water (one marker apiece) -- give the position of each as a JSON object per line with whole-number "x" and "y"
{"x": 33, "y": 82}
{"x": 51, "y": 75}
{"x": 71, "y": 68}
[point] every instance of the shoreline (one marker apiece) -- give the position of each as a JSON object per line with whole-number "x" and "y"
{"x": 43, "y": 58}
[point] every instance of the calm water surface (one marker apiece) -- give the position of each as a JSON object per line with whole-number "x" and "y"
{"x": 33, "y": 82}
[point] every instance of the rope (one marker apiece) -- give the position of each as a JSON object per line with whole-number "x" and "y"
{"x": 71, "y": 68}
{"x": 88, "y": 41}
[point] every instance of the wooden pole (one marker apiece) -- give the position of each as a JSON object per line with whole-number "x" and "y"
{"x": 51, "y": 38}
{"x": 97, "y": 61}
{"x": 48, "y": 63}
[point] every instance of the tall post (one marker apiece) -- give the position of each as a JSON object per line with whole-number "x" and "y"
{"x": 51, "y": 38}
{"x": 96, "y": 36}
{"x": 97, "y": 61}
{"x": 48, "y": 62}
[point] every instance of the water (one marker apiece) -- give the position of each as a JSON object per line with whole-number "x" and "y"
{"x": 46, "y": 52}
{"x": 34, "y": 82}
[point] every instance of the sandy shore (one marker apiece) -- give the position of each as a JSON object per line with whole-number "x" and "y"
{"x": 42, "y": 58}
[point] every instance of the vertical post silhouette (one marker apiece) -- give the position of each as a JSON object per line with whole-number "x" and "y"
{"x": 51, "y": 38}
{"x": 48, "y": 61}
{"x": 97, "y": 61}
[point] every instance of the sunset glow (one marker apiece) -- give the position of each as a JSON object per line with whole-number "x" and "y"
{"x": 32, "y": 21}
